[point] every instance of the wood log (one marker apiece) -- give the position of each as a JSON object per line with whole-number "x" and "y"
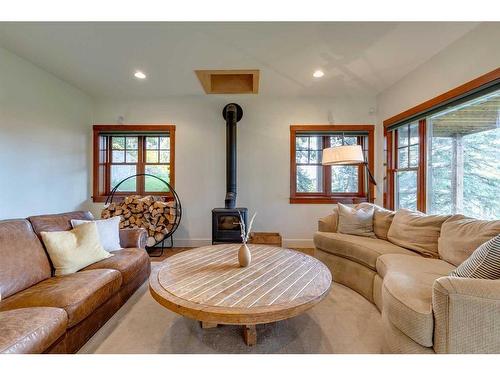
{"x": 153, "y": 214}
{"x": 150, "y": 241}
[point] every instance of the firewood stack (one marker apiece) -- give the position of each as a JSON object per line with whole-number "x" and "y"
{"x": 136, "y": 211}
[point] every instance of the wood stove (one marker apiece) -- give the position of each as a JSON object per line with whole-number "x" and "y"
{"x": 226, "y": 221}
{"x": 226, "y": 224}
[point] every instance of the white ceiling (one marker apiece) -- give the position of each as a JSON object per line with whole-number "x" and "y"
{"x": 358, "y": 58}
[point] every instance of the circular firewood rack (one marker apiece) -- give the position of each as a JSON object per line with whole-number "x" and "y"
{"x": 174, "y": 209}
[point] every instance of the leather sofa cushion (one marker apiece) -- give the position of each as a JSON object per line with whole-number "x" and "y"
{"x": 416, "y": 231}
{"x": 78, "y": 293}
{"x": 407, "y": 293}
{"x": 461, "y": 235}
{"x": 57, "y": 222}
{"x": 23, "y": 261}
{"x": 31, "y": 330}
{"x": 129, "y": 262}
{"x": 363, "y": 250}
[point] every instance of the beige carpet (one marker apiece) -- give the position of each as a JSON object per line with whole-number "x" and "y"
{"x": 342, "y": 323}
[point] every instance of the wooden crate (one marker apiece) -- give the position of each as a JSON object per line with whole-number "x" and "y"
{"x": 265, "y": 238}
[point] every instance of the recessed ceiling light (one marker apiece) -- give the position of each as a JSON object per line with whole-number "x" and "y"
{"x": 140, "y": 75}
{"x": 318, "y": 74}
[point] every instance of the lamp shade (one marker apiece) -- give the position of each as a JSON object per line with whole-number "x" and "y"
{"x": 343, "y": 155}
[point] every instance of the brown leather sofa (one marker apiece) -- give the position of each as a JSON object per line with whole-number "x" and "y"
{"x": 41, "y": 313}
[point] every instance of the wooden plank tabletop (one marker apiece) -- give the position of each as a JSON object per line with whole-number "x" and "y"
{"x": 208, "y": 284}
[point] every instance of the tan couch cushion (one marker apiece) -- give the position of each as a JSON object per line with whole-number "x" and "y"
{"x": 129, "y": 262}
{"x": 382, "y": 220}
{"x": 78, "y": 293}
{"x": 400, "y": 264}
{"x": 416, "y": 231}
{"x": 461, "y": 235}
{"x": 329, "y": 223}
{"x": 31, "y": 330}
{"x": 407, "y": 293}
{"x": 363, "y": 250}
{"x": 357, "y": 220}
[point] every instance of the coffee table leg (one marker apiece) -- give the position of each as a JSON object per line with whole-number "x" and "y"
{"x": 206, "y": 325}
{"x": 250, "y": 335}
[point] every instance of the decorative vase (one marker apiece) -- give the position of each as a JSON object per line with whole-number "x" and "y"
{"x": 244, "y": 256}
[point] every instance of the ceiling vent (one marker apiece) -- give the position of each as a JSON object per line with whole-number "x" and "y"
{"x": 229, "y": 81}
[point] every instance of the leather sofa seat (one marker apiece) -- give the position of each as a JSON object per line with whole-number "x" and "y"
{"x": 407, "y": 293}
{"x": 79, "y": 294}
{"x": 31, "y": 330}
{"x": 363, "y": 250}
{"x": 129, "y": 262}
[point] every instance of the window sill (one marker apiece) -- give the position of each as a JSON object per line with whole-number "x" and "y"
{"x": 120, "y": 197}
{"x": 349, "y": 199}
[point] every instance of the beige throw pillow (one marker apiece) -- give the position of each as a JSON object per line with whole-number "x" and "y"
{"x": 356, "y": 220}
{"x": 75, "y": 249}
{"x": 461, "y": 236}
{"x": 416, "y": 231}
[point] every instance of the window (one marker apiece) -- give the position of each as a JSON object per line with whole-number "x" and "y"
{"x": 121, "y": 151}
{"x": 446, "y": 161}
{"x": 463, "y": 162}
{"x": 407, "y": 165}
{"x": 310, "y": 181}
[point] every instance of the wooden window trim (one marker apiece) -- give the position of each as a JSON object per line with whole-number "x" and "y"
{"x": 101, "y": 128}
{"x": 450, "y": 95}
{"x": 443, "y": 99}
{"x": 324, "y": 198}
{"x": 392, "y": 166}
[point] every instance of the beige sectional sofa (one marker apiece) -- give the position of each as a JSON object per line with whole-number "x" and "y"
{"x": 423, "y": 309}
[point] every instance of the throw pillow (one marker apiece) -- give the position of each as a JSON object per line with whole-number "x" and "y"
{"x": 356, "y": 220}
{"x": 109, "y": 232}
{"x": 416, "y": 231}
{"x": 484, "y": 263}
{"x": 75, "y": 249}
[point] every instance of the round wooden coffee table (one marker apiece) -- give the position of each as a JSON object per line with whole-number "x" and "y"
{"x": 207, "y": 284}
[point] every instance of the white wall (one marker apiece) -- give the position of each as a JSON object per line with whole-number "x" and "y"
{"x": 471, "y": 56}
{"x": 44, "y": 141}
{"x": 263, "y": 156}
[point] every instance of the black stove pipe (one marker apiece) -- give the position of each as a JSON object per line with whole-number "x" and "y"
{"x": 232, "y": 113}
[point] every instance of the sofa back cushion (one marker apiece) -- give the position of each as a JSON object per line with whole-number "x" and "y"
{"x": 416, "y": 231}
{"x": 461, "y": 235}
{"x": 382, "y": 220}
{"x": 57, "y": 222}
{"x": 23, "y": 261}
{"x": 329, "y": 223}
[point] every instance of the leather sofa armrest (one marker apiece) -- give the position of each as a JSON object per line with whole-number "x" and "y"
{"x": 466, "y": 315}
{"x": 328, "y": 223}
{"x": 130, "y": 237}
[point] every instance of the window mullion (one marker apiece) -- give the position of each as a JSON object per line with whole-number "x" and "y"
{"x": 141, "y": 152}
{"x": 327, "y": 169}
{"x": 109, "y": 142}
